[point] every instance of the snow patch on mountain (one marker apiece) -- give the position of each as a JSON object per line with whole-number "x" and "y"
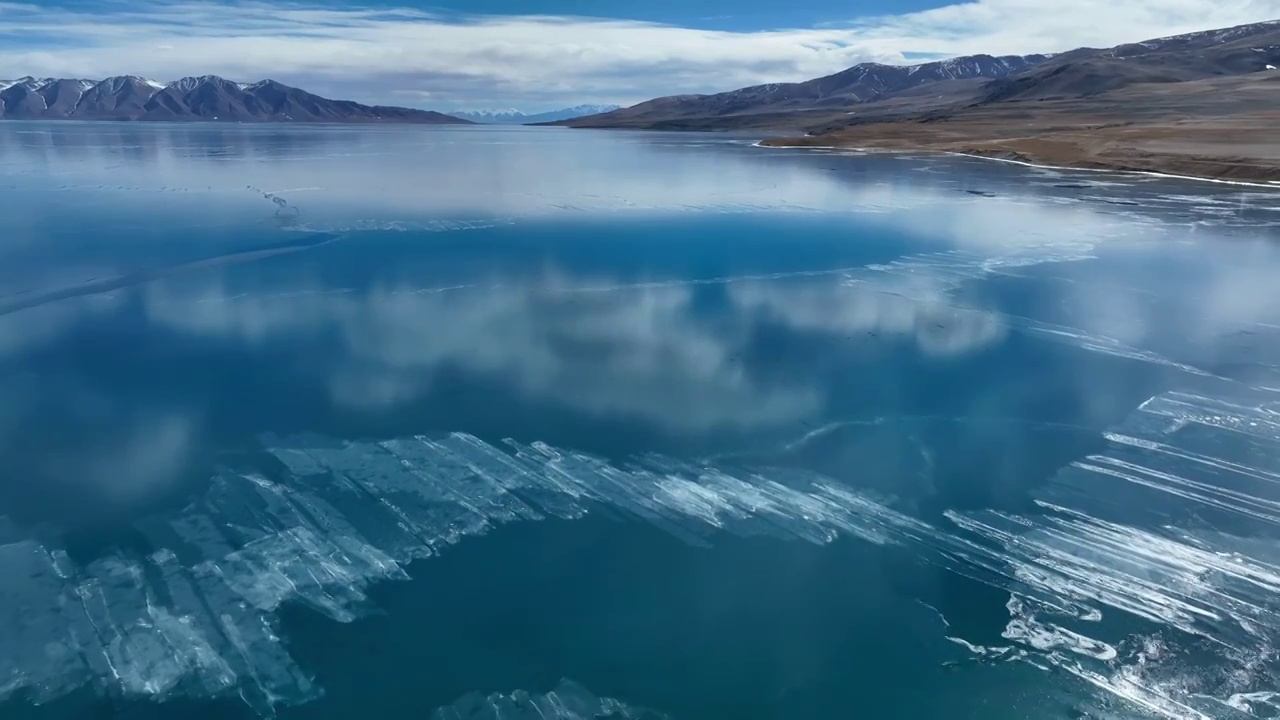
{"x": 187, "y": 84}
{"x": 511, "y": 116}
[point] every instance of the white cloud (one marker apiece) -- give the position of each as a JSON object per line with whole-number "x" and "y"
{"x": 543, "y": 61}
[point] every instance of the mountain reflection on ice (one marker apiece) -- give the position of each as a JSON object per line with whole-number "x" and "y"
{"x": 1068, "y": 408}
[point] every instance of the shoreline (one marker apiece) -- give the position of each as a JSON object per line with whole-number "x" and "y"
{"x": 803, "y": 143}
{"x": 1263, "y": 184}
{"x": 1004, "y": 153}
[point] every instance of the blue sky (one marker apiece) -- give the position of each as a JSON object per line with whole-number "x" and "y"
{"x": 544, "y": 54}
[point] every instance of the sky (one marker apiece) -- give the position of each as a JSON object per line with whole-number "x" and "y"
{"x": 537, "y": 55}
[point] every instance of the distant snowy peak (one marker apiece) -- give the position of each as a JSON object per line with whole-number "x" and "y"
{"x": 120, "y": 82}
{"x": 28, "y": 82}
{"x": 187, "y": 84}
{"x": 493, "y": 116}
{"x": 863, "y": 82}
{"x": 984, "y": 65}
{"x": 206, "y": 97}
{"x": 41, "y": 85}
{"x": 1212, "y": 37}
{"x": 1194, "y": 41}
{"x": 581, "y": 110}
{"x": 969, "y": 66}
{"x": 516, "y": 117}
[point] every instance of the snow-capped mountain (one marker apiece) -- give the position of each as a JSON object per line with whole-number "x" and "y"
{"x": 27, "y": 81}
{"x": 958, "y": 82}
{"x": 516, "y": 117}
{"x": 492, "y": 117}
{"x": 1087, "y": 72}
{"x": 209, "y": 97}
{"x": 1211, "y": 37}
{"x": 861, "y": 83}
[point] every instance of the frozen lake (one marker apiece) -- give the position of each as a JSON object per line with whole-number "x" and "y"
{"x": 397, "y": 422}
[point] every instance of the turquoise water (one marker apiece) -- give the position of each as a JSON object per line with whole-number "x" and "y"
{"x": 482, "y": 422}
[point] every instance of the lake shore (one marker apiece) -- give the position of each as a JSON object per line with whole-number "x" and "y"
{"x": 1237, "y": 149}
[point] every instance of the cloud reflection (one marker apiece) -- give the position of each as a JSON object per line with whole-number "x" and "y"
{"x": 919, "y": 309}
{"x": 643, "y": 352}
{"x": 684, "y": 358}
{"x": 80, "y": 453}
{"x": 406, "y": 178}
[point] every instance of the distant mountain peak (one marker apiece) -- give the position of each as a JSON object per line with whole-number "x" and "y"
{"x": 489, "y": 112}
{"x": 929, "y": 90}
{"x": 1089, "y": 72}
{"x": 203, "y": 97}
{"x": 512, "y": 116}
{"x": 1221, "y": 34}
{"x": 861, "y": 83}
{"x": 187, "y": 84}
{"x": 26, "y": 81}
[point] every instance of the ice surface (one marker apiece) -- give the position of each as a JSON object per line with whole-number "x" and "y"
{"x": 1173, "y": 524}
{"x": 197, "y": 616}
{"x": 937, "y": 277}
{"x": 43, "y": 625}
{"x": 568, "y": 701}
{"x": 1025, "y": 628}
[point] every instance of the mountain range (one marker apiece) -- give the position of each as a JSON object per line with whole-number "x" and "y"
{"x": 205, "y": 98}
{"x": 863, "y": 83}
{"x": 516, "y": 117}
{"x": 1204, "y": 104}
{"x": 873, "y": 91}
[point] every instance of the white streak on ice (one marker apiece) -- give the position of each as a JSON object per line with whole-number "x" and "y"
{"x": 199, "y": 615}
{"x": 568, "y": 701}
{"x": 1109, "y": 538}
{"x": 1025, "y": 628}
